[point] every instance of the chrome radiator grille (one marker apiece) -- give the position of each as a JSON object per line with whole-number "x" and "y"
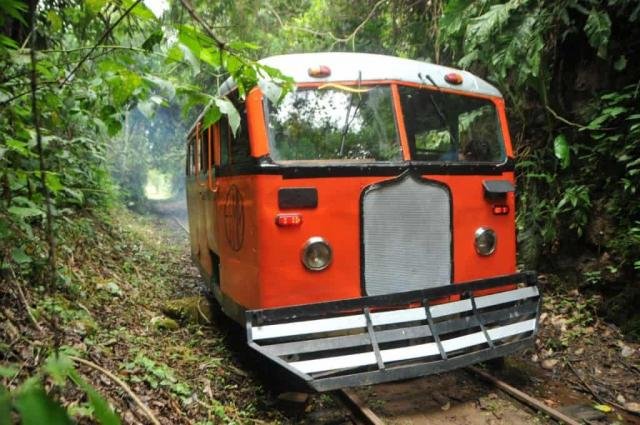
{"x": 406, "y": 236}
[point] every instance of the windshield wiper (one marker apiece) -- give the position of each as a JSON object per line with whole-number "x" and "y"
{"x": 442, "y": 116}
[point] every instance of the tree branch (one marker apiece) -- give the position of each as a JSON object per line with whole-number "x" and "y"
{"x": 187, "y": 5}
{"x": 122, "y": 384}
{"x": 102, "y": 38}
{"x": 51, "y": 275}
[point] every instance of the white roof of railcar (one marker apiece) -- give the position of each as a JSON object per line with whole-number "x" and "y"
{"x": 350, "y": 66}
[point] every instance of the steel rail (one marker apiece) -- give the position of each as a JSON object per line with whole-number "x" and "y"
{"x": 180, "y": 224}
{"x": 358, "y": 407}
{"x": 523, "y": 397}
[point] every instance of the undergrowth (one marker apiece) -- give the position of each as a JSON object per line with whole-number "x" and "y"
{"x": 117, "y": 273}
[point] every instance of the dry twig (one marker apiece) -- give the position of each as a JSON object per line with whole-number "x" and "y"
{"x": 122, "y": 384}
{"x": 200, "y": 311}
{"x": 23, "y": 299}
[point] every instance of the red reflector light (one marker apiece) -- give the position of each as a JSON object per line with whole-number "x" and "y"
{"x": 288, "y": 220}
{"x": 501, "y": 209}
{"x": 453, "y": 78}
{"x": 319, "y": 71}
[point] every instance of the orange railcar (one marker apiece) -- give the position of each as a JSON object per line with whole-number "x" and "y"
{"x": 363, "y": 229}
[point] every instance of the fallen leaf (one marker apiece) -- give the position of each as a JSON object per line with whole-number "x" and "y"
{"x": 632, "y": 406}
{"x": 604, "y": 408}
{"x": 626, "y": 351}
{"x": 549, "y": 364}
{"x": 543, "y": 317}
{"x": 162, "y": 322}
{"x": 579, "y": 351}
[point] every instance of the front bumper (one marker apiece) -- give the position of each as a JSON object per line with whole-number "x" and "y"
{"x": 375, "y": 339}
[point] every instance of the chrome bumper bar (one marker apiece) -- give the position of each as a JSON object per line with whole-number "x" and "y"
{"x": 383, "y": 338}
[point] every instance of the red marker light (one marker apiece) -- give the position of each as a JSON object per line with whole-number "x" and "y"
{"x": 288, "y": 220}
{"x": 501, "y": 209}
{"x": 321, "y": 71}
{"x": 453, "y": 78}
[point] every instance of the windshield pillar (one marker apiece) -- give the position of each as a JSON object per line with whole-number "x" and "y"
{"x": 402, "y": 132}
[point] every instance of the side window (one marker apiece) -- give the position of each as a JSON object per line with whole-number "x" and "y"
{"x": 204, "y": 151}
{"x": 192, "y": 156}
{"x": 188, "y": 159}
{"x": 210, "y": 146}
{"x": 225, "y": 140}
{"x": 240, "y": 149}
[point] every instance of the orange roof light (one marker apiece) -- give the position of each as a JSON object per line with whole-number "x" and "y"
{"x": 453, "y": 78}
{"x": 321, "y": 71}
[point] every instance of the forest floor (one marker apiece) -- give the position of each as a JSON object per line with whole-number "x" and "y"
{"x": 134, "y": 305}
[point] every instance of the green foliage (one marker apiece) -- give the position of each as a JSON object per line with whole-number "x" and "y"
{"x": 34, "y": 405}
{"x": 598, "y": 29}
{"x": 157, "y": 375}
{"x": 561, "y": 150}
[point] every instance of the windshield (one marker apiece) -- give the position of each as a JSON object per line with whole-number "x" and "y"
{"x": 335, "y": 123}
{"x": 450, "y": 127}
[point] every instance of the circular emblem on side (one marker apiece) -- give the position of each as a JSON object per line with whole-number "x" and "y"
{"x": 234, "y": 218}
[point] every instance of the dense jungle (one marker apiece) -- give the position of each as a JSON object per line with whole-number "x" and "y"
{"x": 96, "y": 97}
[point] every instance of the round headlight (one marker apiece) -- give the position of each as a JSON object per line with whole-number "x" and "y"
{"x": 316, "y": 254}
{"x": 486, "y": 241}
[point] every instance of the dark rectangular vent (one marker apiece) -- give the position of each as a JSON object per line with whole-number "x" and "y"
{"x": 497, "y": 189}
{"x": 298, "y": 197}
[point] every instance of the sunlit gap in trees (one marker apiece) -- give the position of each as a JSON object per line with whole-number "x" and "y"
{"x": 158, "y": 7}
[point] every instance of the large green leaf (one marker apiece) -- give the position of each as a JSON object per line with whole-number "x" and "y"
{"x": 53, "y": 182}
{"x": 210, "y": 56}
{"x": 58, "y": 366}
{"x": 174, "y": 54}
{"x": 37, "y": 408}
{"x": 9, "y": 371}
{"x": 94, "y": 6}
{"x": 561, "y": 150}
{"x": 5, "y": 406}
{"x": 154, "y": 39}
{"x": 191, "y": 38}
{"x": 270, "y": 89}
{"x": 598, "y": 30}
{"x": 22, "y": 212}
{"x": 227, "y": 108}
{"x": 15, "y": 9}
{"x": 140, "y": 10}
{"x": 20, "y": 257}
{"x": 211, "y": 116}
{"x": 101, "y": 409}
{"x": 21, "y": 148}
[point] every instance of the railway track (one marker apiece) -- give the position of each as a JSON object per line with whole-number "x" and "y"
{"x": 366, "y": 415}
